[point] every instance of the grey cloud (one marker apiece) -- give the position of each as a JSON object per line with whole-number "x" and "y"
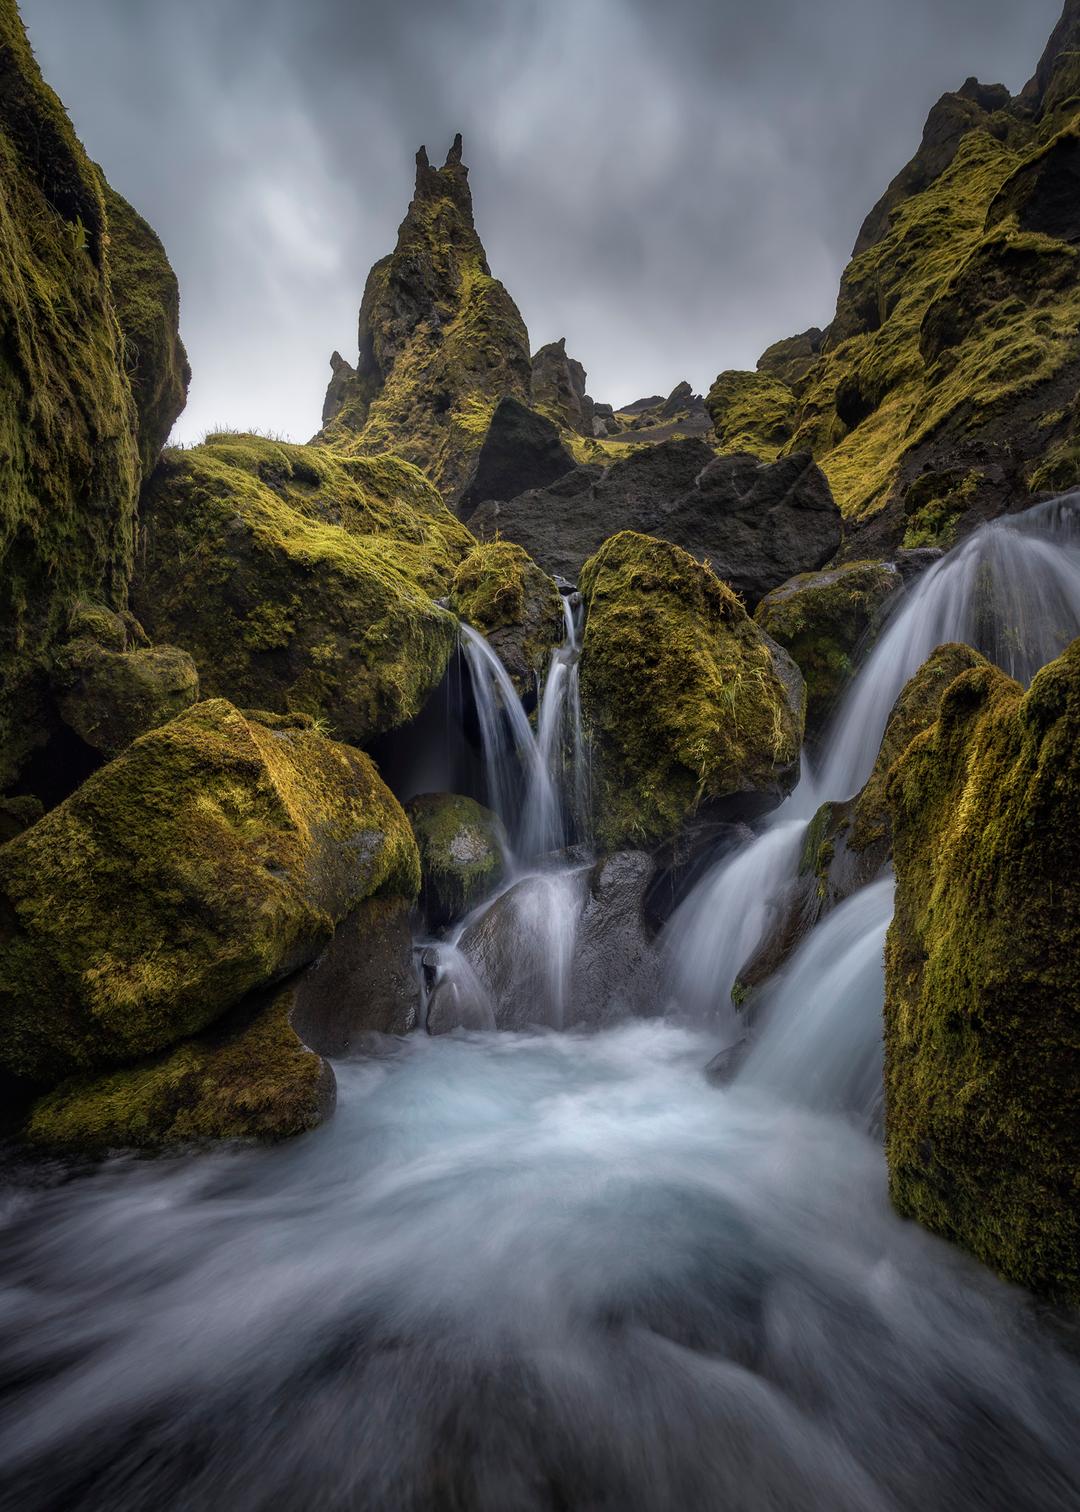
{"x": 669, "y": 186}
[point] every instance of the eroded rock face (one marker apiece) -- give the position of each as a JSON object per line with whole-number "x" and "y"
{"x": 558, "y": 390}
{"x": 500, "y": 591}
{"x": 463, "y": 853}
{"x": 301, "y": 580}
{"x": 686, "y": 701}
{"x": 982, "y": 986}
{"x": 214, "y": 856}
{"x": 440, "y": 340}
{"x": 821, "y": 618}
{"x": 756, "y": 524}
{"x": 521, "y": 450}
{"x": 80, "y": 412}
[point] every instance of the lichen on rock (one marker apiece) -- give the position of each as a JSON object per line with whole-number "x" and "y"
{"x": 684, "y": 697}
{"x": 982, "y": 1030}
{"x": 300, "y": 579}
{"x": 500, "y": 591}
{"x": 215, "y": 855}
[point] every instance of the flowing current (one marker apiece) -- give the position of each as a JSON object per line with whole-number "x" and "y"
{"x": 552, "y": 1271}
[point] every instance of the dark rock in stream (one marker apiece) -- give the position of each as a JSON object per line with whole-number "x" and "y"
{"x": 363, "y": 982}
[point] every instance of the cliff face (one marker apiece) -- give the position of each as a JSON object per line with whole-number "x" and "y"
{"x": 440, "y": 340}
{"x": 74, "y": 439}
{"x": 944, "y": 390}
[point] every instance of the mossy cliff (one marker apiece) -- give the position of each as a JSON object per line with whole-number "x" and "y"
{"x": 71, "y": 447}
{"x": 500, "y": 591}
{"x": 820, "y": 618}
{"x": 687, "y": 703}
{"x": 943, "y": 389}
{"x": 300, "y": 579}
{"x": 215, "y": 855}
{"x": 440, "y": 340}
{"x": 982, "y": 1012}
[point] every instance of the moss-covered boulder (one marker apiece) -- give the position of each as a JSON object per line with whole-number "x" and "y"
{"x": 301, "y": 580}
{"x": 752, "y": 412}
{"x": 248, "y": 1077}
{"x": 441, "y": 341}
{"x": 147, "y": 299}
{"x": 111, "y": 685}
{"x": 982, "y": 1012}
{"x": 463, "y": 853}
{"x": 500, "y": 591}
{"x": 820, "y": 618}
{"x": 214, "y": 856}
{"x": 687, "y": 703}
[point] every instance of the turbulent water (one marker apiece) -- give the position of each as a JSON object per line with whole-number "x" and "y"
{"x": 558, "y": 1271}
{"x": 523, "y": 1272}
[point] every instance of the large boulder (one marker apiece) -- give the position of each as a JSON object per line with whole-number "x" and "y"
{"x": 821, "y": 619}
{"x": 212, "y": 857}
{"x": 247, "y": 1077}
{"x": 363, "y": 983}
{"x": 522, "y": 450}
{"x": 500, "y": 591}
{"x": 111, "y": 685}
{"x": 72, "y": 441}
{"x": 441, "y": 341}
{"x": 982, "y": 1011}
{"x": 463, "y": 853}
{"x": 689, "y": 706}
{"x": 301, "y": 580}
{"x": 756, "y": 524}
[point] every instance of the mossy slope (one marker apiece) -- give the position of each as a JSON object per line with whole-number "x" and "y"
{"x": 944, "y": 385}
{"x": 300, "y": 579}
{"x": 684, "y": 697}
{"x": 982, "y": 1014}
{"x": 215, "y": 855}
{"x": 440, "y": 340}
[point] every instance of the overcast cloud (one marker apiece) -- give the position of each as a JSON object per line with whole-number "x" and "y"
{"x": 670, "y": 186}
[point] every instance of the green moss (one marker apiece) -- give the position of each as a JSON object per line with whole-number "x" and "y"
{"x": 215, "y": 855}
{"x": 441, "y": 341}
{"x": 300, "y": 579}
{"x": 981, "y": 1021}
{"x": 462, "y": 852}
{"x": 752, "y": 412}
{"x": 147, "y": 300}
{"x": 820, "y": 618}
{"x": 500, "y": 591}
{"x": 248, "y": 1078}
{"x": 683, "y": 697}
{"x": 69, "y": 464}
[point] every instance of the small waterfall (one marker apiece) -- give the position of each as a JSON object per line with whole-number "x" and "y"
{"x": 1011, "y": 590}
{"x": 538, "y": 783}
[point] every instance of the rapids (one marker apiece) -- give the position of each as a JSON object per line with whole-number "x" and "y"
{"x": 561, "y": 1271}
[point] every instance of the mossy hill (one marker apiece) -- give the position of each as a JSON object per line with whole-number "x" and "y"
{"x": 943, "y": 392}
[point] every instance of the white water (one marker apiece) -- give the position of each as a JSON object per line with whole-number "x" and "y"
{"x": 1011, "y": 590}
{"x": 530, "y": 1273}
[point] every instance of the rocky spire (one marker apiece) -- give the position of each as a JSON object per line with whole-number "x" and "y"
{"x": 1065, "y": 38}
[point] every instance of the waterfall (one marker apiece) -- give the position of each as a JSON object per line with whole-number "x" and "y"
{"x": 1011, "y": 590}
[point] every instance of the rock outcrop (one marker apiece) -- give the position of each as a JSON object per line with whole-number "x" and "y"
{"x": 73, "y": 440}
{"x": 558, "y": 390}
{"x": 440, "y": 340}
{"x": 756, "y": 524}
{"x": 300, "y": 579}
{"x": 463, "y": 853}
{"x": 688, "y": 705}
{"x": 211, "y": 858}
{"x": 522, "y": 450}
{"x": 821, "y": 619}
{"x": 943, "y": 391}
{"x": 982, "y": 985}
{"x": 500, "y": 591}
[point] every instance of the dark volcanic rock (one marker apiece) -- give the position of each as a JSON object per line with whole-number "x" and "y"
{"x": 615, "y": 966}
{"x": 521, "y": 450}
{"x": 364, "y": 982}
{"x": 757, "y": 523}
{"x": 558, "y": 388}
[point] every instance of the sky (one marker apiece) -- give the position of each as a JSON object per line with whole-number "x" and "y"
{"x": 671, "y": 187}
